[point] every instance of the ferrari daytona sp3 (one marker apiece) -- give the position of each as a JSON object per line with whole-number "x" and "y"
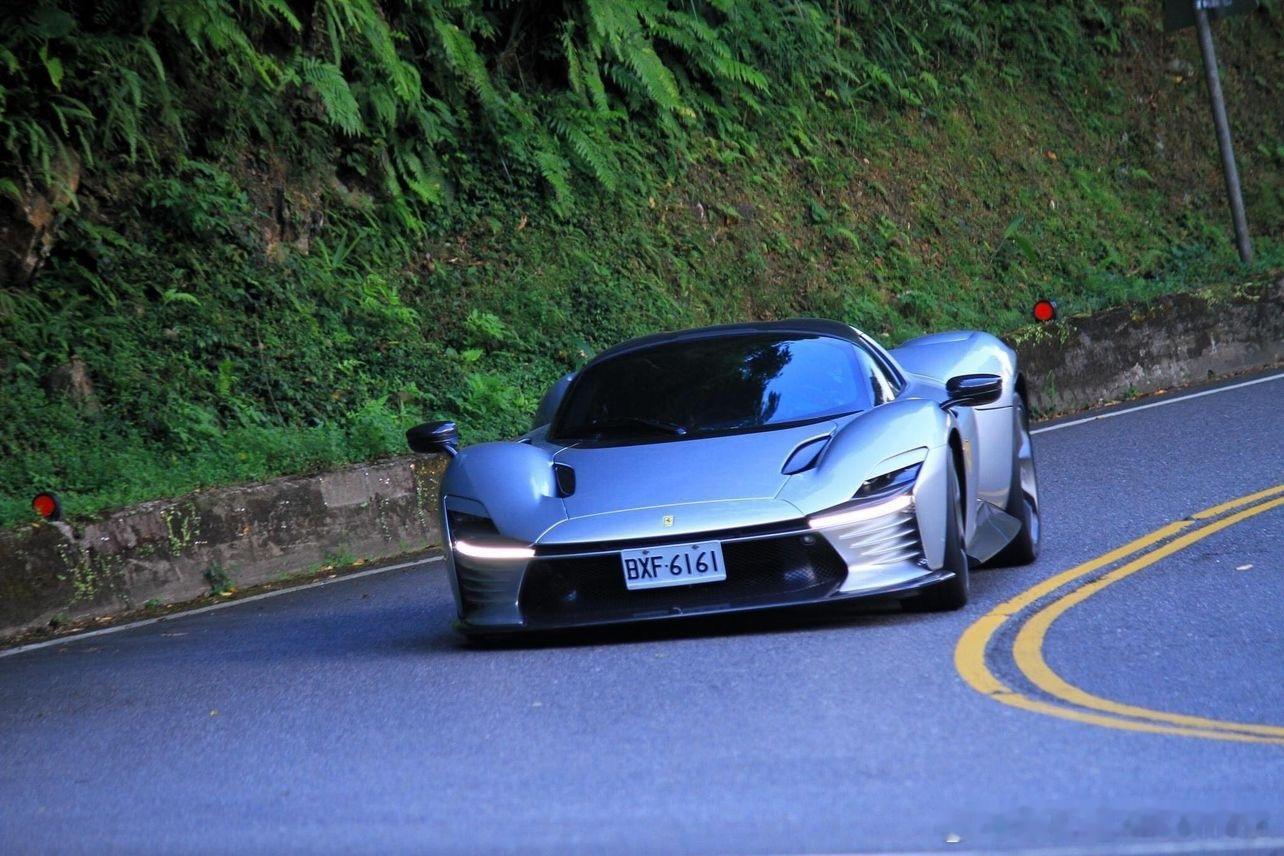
{"x": 742, "y": 467}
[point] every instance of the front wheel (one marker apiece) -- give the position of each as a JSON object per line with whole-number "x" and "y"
{"x": 952, "y": 593}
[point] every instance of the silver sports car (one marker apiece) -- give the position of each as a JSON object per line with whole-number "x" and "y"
{"x": 744, "y": 467}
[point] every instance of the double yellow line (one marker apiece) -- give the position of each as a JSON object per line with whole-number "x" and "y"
{"x": 1068, "y": 701}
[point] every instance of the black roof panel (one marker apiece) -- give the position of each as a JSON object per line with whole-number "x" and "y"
{"x": 811, "y": 326}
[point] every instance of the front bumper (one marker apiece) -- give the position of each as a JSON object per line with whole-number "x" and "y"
{"x": 784, "y": 565}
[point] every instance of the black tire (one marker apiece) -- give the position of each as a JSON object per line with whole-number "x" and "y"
{"x": 952, "y": 593}
{"x": 1023, "y": 497}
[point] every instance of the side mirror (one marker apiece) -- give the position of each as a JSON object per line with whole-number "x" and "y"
{"x": 972, "y": 390}
{"x": 434, "y": 438}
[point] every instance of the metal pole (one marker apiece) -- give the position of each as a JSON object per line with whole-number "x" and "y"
{"x": 1223, "y": 133}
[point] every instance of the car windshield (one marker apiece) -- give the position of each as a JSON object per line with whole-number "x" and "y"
{"x": 726, "y": 384}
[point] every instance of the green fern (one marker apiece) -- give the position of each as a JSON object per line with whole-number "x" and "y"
{"x": 556, "y": 171}
{"x": 581, "y": 131}
{"x": 402, "y": 90}
{"x": 461, "y": 55}
{"x": 333, "y": 93}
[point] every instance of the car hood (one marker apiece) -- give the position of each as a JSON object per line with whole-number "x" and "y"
{"x": 627, "y": 491}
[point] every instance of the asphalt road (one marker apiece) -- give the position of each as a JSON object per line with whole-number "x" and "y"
{"x": 348, "y": 717}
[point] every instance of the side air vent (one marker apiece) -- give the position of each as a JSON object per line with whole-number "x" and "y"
{"x": 805, "y": 456}
{"x": 565, "y": 477}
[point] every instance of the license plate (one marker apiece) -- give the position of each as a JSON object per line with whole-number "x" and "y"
{"x": 675, "y": 565}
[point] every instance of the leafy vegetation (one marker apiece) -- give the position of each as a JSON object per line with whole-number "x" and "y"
{"x": 259, "y": 237}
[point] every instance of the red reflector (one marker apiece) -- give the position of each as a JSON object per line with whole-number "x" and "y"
{"x": 1045, "y": 310}
{"x": 46, "y": 505}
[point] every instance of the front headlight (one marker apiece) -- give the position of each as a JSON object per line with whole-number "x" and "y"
{"x": 476, "y": 537}
{"x": 493, "y": 551}
{"x": 889, "y": 484}
{"x": 877, "y": 497}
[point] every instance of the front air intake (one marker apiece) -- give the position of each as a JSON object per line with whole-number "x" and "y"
{"x": 565, "y": 477}
{"x": 565, "y": 590}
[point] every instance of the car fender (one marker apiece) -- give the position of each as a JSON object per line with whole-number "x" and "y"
{"x": 869, "y": 445}
{"x": 942, "y": 356}
{"x": 891, "y": 436}
{"x": 513, "y": 481}
{"x": 987, "y": 432}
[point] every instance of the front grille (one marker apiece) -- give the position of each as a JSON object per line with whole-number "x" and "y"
{"x": 760, "y": 572}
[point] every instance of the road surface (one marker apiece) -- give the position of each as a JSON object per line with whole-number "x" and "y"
{"x": 349, "y": 718}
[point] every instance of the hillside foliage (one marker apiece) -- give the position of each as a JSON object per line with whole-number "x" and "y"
{"x": 284, "y": 230}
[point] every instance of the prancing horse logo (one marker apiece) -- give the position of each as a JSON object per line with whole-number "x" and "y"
{"x": 668, "y": 520}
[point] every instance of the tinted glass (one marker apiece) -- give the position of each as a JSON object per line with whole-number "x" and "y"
{"x": 884, "y": 387}
{"x": 887, "y": 383}
{"x": 727, "y": 384}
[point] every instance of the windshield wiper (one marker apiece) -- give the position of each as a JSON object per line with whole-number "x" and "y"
{"x": 627, "y": 422}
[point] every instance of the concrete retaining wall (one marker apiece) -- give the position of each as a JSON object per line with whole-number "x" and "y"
{"x": 1135, "y": 349}
{"x": 172, "y": 551}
